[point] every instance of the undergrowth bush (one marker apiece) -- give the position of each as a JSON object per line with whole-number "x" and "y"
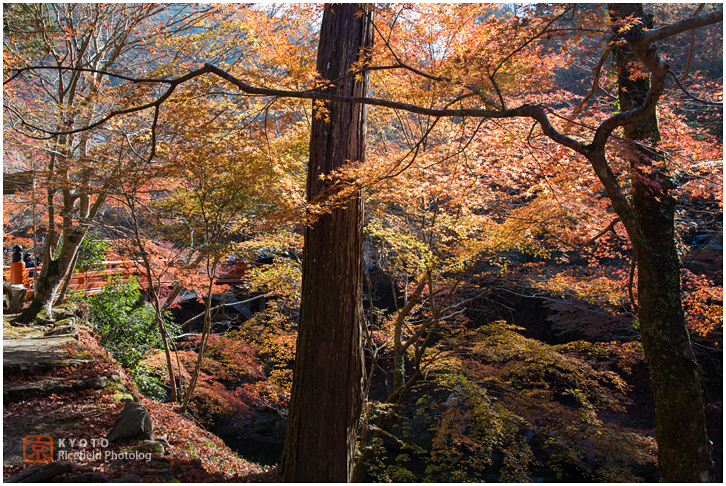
{"x": 129, "y": 330}
{"x": 92, "y": 254}
{"x": 148, "y": 383}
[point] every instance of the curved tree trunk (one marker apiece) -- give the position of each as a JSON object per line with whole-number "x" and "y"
{"x": 683, "y": 446}
{"x": 52, "y": 274}
{"x": 326, "y": 398}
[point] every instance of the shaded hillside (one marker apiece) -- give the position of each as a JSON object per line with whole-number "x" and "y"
{"x": 181, "y": 450}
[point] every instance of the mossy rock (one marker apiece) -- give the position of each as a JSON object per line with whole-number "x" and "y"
{"x": 43, "y": 315}
{"x": 82, "y": 354}
{"x": 155, "y": 447}
{"x": 67, "y": 321}
{"x": 10, "y": 333}
{"x": 118, "y": 396}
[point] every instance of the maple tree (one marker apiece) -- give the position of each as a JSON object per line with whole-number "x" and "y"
{"x": 595, "y": 152}
{"x": 80, "y": 168}
{"x": 681, "y": 457}
{"x": 496, "y": 68}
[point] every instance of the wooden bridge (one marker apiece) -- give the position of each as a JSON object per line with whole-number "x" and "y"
{"x": 91, "y": 281}
{"x": 94, "y": 281}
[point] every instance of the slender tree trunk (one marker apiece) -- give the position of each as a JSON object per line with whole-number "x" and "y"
{"x": 206, "y": 331}
{"x": 67, "y": 279}
{"x": 326, "y": 396}
{"x": 683, "y": 446}
{"x": 154, "y": 296}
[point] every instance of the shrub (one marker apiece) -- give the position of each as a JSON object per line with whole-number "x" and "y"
{"x": 148, "y": 383}
{"x": 128, "y": 330}
{"x": 92, "y": 253}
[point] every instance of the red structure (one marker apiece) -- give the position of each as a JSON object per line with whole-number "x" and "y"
{"x": 93, "y": 282}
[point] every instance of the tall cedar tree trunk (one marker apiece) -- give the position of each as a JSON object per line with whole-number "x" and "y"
{"x": 683, "y": 447}
{"x": 326, "y": 398}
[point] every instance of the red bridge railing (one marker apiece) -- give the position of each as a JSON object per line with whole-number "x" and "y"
{"x": 94, "y": 281}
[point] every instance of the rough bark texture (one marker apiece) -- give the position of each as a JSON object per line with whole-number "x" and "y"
{"x": 683, "y": 447}
{"x": 326, "y": 395}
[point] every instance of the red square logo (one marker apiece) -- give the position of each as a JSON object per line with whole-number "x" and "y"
{"x": 38, "y": 449}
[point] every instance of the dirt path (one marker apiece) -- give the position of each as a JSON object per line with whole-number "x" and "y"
{"x": 48, "y": 352}
{"x": 25, "y": 360}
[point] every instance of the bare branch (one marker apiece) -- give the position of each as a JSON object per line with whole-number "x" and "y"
{"x": 693, "y": 97}
{"x": 488, "y": 101}
{"x": 609, "y": 227}
{"x": 597, "y": 70}
{"x": 173, "y": 84}
{"x": 693, "y": 43}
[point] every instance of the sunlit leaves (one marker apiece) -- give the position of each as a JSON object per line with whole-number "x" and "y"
{"x": 493, "y": 412}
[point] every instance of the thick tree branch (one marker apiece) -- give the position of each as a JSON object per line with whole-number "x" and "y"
{"x": 528, "y": 111}
{"x": 649, "y": 37}
{"x": 641, "y": 45}
{"x": 609, "y": 227}
{"x": 639, "y": 42}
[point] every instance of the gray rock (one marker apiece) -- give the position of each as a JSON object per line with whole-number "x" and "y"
{"x": 116, "y": 463}
{"x": 59, "y": 331}
{"x": 164, "y": 439}
{"x": 153, "y": 446}
{"x": 134, "y": 423}
{"x": 60, "y": 314}
{"x": 15, "y": 296}
{"x": 163, "y": 474}
{"x": 24, "y": 392}
{"x": 59, "y": 389}
{"x": 93, "y": 383}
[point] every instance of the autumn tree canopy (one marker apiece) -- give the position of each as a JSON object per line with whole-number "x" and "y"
{"x": 563, "y": 152}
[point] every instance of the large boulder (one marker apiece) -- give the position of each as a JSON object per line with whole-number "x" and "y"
{"x": 134, "y": 423}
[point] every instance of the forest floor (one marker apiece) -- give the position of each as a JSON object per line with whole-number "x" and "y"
{"x": 69, "y": 389}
